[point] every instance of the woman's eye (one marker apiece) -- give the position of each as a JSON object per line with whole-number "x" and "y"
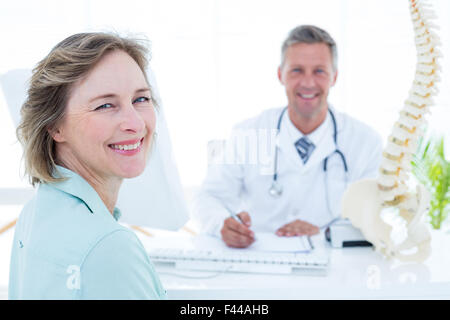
{"x": 104, "y": 106}
{"x": 141, "y": 99}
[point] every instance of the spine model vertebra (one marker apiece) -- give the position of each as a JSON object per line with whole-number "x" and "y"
{"x": 366, "y": 202}
{"x": 402, "y": 143}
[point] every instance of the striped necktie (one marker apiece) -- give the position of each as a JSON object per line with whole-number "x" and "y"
{"x": 304, "y": 148}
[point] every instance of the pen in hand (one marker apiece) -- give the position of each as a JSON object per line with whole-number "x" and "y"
{"x": 246, "y": 223}
{"x": 236, "y": 231}
{"x": 237, "y": 218}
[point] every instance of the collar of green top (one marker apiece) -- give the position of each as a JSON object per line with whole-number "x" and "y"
{"x": 76, "y": 186}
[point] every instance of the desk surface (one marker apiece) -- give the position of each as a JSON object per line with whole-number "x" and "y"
{"x": 354, "y": 273}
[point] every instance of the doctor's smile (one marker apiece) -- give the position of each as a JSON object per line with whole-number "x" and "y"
{"x": 308, "y": 97}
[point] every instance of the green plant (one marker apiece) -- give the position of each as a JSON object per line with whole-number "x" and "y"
{"x": 432, "y": 170}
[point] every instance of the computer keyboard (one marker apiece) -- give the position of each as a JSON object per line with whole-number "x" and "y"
{"x": 246, "y": 261}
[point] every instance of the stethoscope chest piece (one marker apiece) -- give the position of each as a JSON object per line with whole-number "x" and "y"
{"x": 275, "y": 190}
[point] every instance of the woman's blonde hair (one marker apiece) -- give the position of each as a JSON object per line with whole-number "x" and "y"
{"x": 49, "y": 90}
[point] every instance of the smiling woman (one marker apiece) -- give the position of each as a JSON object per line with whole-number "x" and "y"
{"x": 111, "y": 109}
{"x": 87, "y": 124}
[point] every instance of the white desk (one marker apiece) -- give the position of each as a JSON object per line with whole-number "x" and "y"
{"x": 355, "y": 273}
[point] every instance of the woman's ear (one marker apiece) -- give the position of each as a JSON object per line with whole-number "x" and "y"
{"x": 56, "y": 134}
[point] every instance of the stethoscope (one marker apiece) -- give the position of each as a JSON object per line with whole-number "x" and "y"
{"x": 276, "y": 190}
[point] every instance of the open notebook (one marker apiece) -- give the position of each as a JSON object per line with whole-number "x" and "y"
{"x": 268, "y": 254}
{"x": 265, "y": 242}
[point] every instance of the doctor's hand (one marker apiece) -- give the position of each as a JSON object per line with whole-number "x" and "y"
{"x": 237, "y": 234}
{"x": 297, "y": 228}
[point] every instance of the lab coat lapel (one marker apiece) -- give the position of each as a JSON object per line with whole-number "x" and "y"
{"x": 324, "y": 148}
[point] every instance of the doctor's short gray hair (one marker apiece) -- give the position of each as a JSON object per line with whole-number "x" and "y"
{"x": 309, "y": 34}
{"x": 49, "y": 91}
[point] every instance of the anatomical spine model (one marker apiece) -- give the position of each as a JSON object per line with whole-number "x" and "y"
{"x": 366, "y": 202}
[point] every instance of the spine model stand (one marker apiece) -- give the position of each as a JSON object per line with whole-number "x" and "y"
{"x": 367, "y": 202}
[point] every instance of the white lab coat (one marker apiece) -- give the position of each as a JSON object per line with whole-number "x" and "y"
{"x": 242, "y": 184}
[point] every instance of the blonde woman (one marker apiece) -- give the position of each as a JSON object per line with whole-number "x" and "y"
{"x": 86, "y": 125}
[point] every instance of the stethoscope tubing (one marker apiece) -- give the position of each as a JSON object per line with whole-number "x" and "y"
{"x": 276, "y": 190}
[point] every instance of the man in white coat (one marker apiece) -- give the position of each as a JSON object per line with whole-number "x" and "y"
{"x": 316, "y": 152}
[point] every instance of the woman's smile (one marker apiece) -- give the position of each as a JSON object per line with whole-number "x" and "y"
{"x": 128, "y": 147}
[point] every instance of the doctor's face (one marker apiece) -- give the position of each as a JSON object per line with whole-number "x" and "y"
{"x": 307, "y": 75}
{"x": 109, "y": 120}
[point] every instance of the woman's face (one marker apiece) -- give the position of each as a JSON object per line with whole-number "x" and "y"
{"x": 109, "y": 121}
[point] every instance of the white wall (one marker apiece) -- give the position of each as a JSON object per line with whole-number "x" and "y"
{"x": 215, "y": 60}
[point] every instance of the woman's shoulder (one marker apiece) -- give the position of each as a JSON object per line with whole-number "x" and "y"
{"x": 118, "y": 243}
{"x": 118, "y": 267}
{"x": 63, "y": 226}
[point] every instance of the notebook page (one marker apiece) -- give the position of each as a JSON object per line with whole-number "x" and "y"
{"x": 265, "y": 241}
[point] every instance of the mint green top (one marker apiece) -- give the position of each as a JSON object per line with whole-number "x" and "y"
{"x": 67, "y": 245}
